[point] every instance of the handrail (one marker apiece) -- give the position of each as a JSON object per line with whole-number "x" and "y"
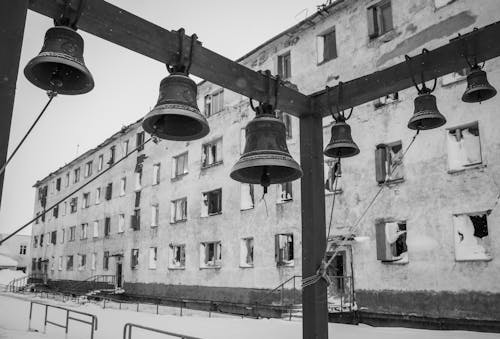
{"x": 284, "y": 282}
{"x": 129, "y": 326}
{"x": 15, "y": 284}
{"x": 92, "y": 323}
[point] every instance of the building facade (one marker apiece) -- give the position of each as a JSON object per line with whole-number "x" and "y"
{"x": 17, "y": 249}
{"x": 168, "y": 220}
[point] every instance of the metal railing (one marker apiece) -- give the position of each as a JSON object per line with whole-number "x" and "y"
{"x": 294, "y": 286}
{"x": 92, "y": 322}
{"x": 17, "y": 284}
{"x": 341, "y": 294}
{"x": 129, "y": 326}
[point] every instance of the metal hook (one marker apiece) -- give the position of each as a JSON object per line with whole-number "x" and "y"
{"x": 424, "y": 88}
{"x": 194, "y": 39}
{"x": 179, "y": 67}
{"x": 251, "y": 105}
{"x": 68, "y": 16}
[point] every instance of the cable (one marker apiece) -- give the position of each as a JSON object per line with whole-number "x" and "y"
{"x": 51, "y": 95}
{"x": 75, "y": 191}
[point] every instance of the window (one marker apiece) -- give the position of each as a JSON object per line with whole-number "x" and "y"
{"x": 156, "y": 174}
{"x": 76, "y": 173}
{"x": 210, "y": 254}
{"x": 84, "y": 231}
{"x": 326, "y": 45}
{"x": 42, "y": 196}
{"x": 112, "y": 153}
{"x": 100, "y": 163}
{"x": 125, "y": 147}
{"x": 88, "y": 169}
{"x": 96, "y": 229}
{"x": 121, "y": 223}
{"x": 471, "y": 237}
{"x": 389, "y": 165}
{"x": 391, "y": 242}
{"x": 388, "y": 99}
{"x": 243, "y": 140}
{"x": 97, "y": 195}
{"x": 73, "y": 204}
{"x": 55, "y": 211}
{"x": 33, "y": 264}
{"x": 464, "y": 147}
{"x": 69, "y": 263}
{"x": 53, "y": 237}
{"x": 178, "y": 210}
{"x": 179, "y": 165}
{"x": 135, "y": 220}
{"x": 93, "y": 259}
{"x": 107, "y": 226}
{"x": 63, "y": 233}
{"x": 287, "y": 120}
{"x": 72, "y": 233}
{"x": 211, "y": 153}
{"x": 214, "y": 103}
{"x": 86, "y": 200}
{"x": 332, "y": 170}
{"x": 153, "y": 252}
{"x": 284, "y": 66}
{"x": 139, "y": 141}
{"x": 67, "y": 179}
{"x": 109, "y": 191}
{"x": 246, "y": 252}
{"x": 123, "y": 186}
{"x": 155, "y": 215}
{"x": 82, "y": 261}
{"x": 35, "y": 241}
{"x": 379, "y": 19}
{"x": 211, "y": 203}
{"x": 22, "y": 249}
{"x": 105, "y": 261}
{"x": 37, "y": 217}
{"x": 134, "y": 258}
{"x": 138, "y": 180}
{"x": 58, "y": 184}
{"x": 137, "y": 202}
{"x": 284, "y": 249}
{"x": 247, "y": 196}
{"x": 65, "y": 209}
{"x": 284, "y": 192}
{"x": 60, "y": 263}
{"x": 177, "y": 256}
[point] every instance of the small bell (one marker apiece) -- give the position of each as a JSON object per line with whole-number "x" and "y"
{"x": 176, "y": 115}
{"x": 266, "y": 159}
{"x": 59, "y": 66}
{"x": 341, "y": 144}
{"x": 426, "y": 114}
{"x": 478, "y": 87}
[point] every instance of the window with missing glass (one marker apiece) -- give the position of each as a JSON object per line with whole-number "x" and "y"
{"x": 326, "y": 44}
{"x": 180, "y": 165}
{"x": 379, "y": 19}
{"x": 211, "y": 203}
{"x": 285, "y": 66}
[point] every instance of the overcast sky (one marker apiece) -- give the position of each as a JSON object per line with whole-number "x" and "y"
{"x": 126, "y": 84}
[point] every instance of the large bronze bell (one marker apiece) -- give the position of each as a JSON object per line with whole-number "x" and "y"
{"x": 59, "y": 66}
{"x": 341, "y": 144}
{"x": 426, "y": 114}
{"x": 176, "y": 115}
{"x": 478, "y": 87}
{"x": 266, "y": 159}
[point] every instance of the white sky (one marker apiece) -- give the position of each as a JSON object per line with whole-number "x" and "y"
{"x": 126, "y": 84}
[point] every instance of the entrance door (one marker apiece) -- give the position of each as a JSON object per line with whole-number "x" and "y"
{"x": 119, "y": 275}
{"x": 340, "y": 292}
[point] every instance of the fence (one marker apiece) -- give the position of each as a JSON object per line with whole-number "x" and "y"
{"x": 92, "y": 322}
{"x": 17, "y": 284}
{"x": 129, "y": 326}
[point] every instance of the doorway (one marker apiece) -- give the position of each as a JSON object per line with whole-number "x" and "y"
{"x": 119, "y": 275}
{"x": 341, "y": 289}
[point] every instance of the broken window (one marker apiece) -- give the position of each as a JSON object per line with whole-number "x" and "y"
{"x": 178, "y": 210}
{"x": 55, "y": 211}
{"x": 58, "y": 184}
{"x": 88, "y": 169}
{"x": 211, "y": 203}
{"x": 379, "y": 19}
{"x": 210, "y": 254}
{"x": 285, "y": 66}
{"x": 134, "y": 258}
{"x": 214, "y": 102}
{"x": 86, "y": 200}
{"x": 177, "y": 256}
{"x": 332, "y": 170}
{"x": 389, "y": 165}
{"x": 76, "y": 173}
{"x": 93, "y": 261}
{"x": 156, "y": 174}
{"x": 386, "y": 100}
{"x": 123, "y": 186}
{"x": 212, "y": 153}
{"x": 246, "y": 252}
{"x": 69, "y": 263}
{"x": 72, "y": 233}
{"x": 464, "y": 147}
{"x": 180, "y": 165}
{"x": 284, "y": 192}
{"x": 73, "y": 204}
{"x": 107, "y": 226}
{"x": 84, "y": 231}
{"x": 96, "y": 229}
{"x": 391, "y": 242}
{"x": 100, "y": 163}
{"x": 42, "y": 196}
{"x": 471, "y": 237}
{"x": 247, "y": 196}
{"x": 35, "y": 241}
{"x": 109, "y": 191}
{"x": 284, "y": 254}
{"x": 139, "y": 141}
{"x": 326, "y": 44}
{"x": 33, "y": 264}
{"x": 153, "y": 257}
{"x": 137, "y": 202}
{"x": 121, "y": 223}
{"x": 287, "y": 120}
{"x": 97, "y": 195}
{"x": 53, "y": 237}
{"x": 82, "y": 261}
{"x": 135, "y": 220}
{"x": 105, "y": 261}
{"x": 155, "y": 215}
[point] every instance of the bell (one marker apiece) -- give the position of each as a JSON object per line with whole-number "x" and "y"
{"x": 478, "y": 88}
{"x": 266, "y": 159}
{"x": 341, "y": 144}
{"x": 426, "y": 115}
{"x": 176, "y": 115}
{"x": 59, "y": 66}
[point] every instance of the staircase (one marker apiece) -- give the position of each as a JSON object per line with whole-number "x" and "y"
{"x": 93, "y": 285}
{"x": 17, "y": 285}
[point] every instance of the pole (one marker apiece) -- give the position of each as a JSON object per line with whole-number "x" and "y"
{"x": 315, "y": 311}
{"x": 13, "y": 19}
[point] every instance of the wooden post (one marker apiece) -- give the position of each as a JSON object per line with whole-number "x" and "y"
{"x": 314, "y": 298}
{"x": 13, "y": 19}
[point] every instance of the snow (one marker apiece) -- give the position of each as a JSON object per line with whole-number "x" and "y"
{"x": 14, "y": 323}
{"x": 6, "y": 276}
{"x": 6, "y": 261}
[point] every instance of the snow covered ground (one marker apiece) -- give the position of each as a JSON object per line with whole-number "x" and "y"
{"x": 14, "y": 311}
{"x": 6, "y": 276}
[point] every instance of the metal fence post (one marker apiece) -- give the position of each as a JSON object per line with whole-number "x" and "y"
{"x": 67, "y": 321}
{"x": 45, "y": 321}
{"x": 157, "y": 305}
{"x": 29, "y": 319}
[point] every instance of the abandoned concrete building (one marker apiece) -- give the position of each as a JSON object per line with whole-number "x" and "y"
{"x": 168, "y": 220}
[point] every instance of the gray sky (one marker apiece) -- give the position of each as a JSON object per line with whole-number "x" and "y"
{"x": 126, "y": 84}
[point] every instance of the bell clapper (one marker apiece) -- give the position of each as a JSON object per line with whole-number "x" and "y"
{"x": 265, "y": 180}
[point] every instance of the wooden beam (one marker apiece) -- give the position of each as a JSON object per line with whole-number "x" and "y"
{"x": 127, "y": 30}
{"x": 13, "y": 19}
{"x": 482, "y": 43}
{"x": 314, "y": 297}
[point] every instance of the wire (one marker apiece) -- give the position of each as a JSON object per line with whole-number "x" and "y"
{"x": 336, "y": 180}
{"x": 51, "y": 95}
{"x": 75, "y": 191}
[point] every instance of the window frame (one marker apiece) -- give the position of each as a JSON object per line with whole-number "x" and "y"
{"x": 219, "y": 203}
{"x": 284, "y": 70}
{"x": 207, "y": 148}
{"x": 217, "y": 255}
{"x": 173, "y": 210}
{"x": 175, "y": 165}
{"x": 280, "y": 252}
{"x": 464, "y": 167}
{"x": 172, "y": 258}
{"x": 376, "y": 20}
{"x": 321, "y": 40}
